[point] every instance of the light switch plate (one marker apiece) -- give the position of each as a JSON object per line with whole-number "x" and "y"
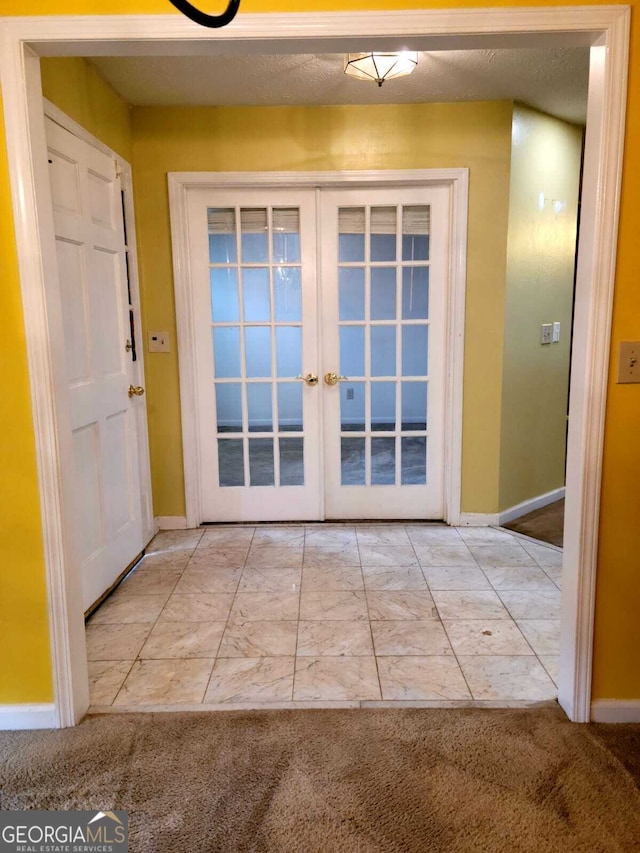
{"x": 159, "y": 342}
{"x": 546, "y": 333}
{"x": 628, "y": 362}
{"x": 556, "y": 333}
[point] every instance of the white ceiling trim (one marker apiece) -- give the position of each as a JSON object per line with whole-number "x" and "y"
{"x": 309, "y": 32}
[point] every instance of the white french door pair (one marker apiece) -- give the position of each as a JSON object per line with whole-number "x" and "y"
{"x": 320, "y": 330}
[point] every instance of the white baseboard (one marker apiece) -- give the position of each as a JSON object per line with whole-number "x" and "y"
{"x": 615, "y": 711}
{"x": 478, "y": 519}
{"x": 171, "y": 522}
{"x": 21, "y": 717}
{"x": 530, "y": 505}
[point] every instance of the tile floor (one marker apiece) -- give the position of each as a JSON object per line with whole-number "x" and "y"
{"x": 330, "y": 615}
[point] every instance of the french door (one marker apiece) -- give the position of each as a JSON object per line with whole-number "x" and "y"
{"x": 320, "y": 320}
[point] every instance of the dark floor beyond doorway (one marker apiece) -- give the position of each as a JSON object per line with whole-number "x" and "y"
{"x": 546, "y": 524}
{"x": 371, "y": 781}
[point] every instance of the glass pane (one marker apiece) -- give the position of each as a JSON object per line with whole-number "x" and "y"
{"x": 261, "y": 462}
{"x": 229, "y": 407}
{"x": 352, "y": 350}
{"x": 414, "y": 350}
{"x": 383, "y": 461}
{"x": 290, "y": 406}
{"x": 257, "y": 301}
{"x": 286, "y": 235}
{"x": 383, "y": 233}
{"x": 224, "y": 296}
{"x": 352, "y": 407}
{"x": 288, "y": 294}
{"x": 230, "y": 462}
{"x": 292, "y": 462}
{"x": 414, "y": 460}
{"x": 222, "y": 235}
{"x": 414, "y": 405}
{"x": 383, "y": 406}
{"x": 415, "y": 293}
{"x": 254, "y": 226}
{"x": 226, "y": 352}
{"x": 415, "y": 232}
{"x": 289, "y": 351}
{"x": 352, "y": 461}
{"x": 351, "y": 293}
{"x": 383, "y": 351}
{"x": 383, "y": 293}
{"x": 259, "y": 404}
{"x": 258, "y": 350}
{"x": 351, "y": 234}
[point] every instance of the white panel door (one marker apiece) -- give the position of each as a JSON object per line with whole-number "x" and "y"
{"x": 255, "y": 321}
{"x": 90, "y": 242}
{"x": 384, "y": 283}
{"x": 366, "y": 440}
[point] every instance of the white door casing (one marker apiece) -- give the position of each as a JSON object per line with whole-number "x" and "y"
{"x": 604, "y": 28}
{"x": 90, "y": 244}
{"x": 437, "y": 195}
{"x": 136, "y": 368}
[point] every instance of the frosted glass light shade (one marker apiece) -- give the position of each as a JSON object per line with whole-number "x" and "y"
{"x": 380, "y": 66}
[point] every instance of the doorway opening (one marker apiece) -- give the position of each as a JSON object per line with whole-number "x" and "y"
{"x": 546, "y": 169}
{"x": 603, "y": 152}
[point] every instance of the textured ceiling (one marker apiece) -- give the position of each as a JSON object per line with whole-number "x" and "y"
{"x": 553, "y": 80}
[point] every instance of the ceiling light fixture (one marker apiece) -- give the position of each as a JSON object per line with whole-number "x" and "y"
{"x": 205, "y": 20}
{"x": 380, "y": 66}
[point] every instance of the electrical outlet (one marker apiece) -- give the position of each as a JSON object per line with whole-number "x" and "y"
{"x": 546, "y": 333}
{"x": 349, "y": 393}
{"x": 556, "y": 333}
{"x": 159, "y": 342}
{"x": 629, "y": 362}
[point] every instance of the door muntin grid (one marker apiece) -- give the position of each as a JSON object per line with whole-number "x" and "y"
{"x": 256, "y": 325}
{"x": 383, "y": 318}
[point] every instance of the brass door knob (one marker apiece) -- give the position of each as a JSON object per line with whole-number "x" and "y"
{"x": 136, "y": 390}
{"x": 311, "y": 378}
{"x": 333, "y": 378}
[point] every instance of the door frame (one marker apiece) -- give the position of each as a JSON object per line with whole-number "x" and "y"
{"x": 605, "y": 29}
{"x": 181, "y": 183}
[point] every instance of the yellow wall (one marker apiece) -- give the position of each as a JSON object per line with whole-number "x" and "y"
{"x": 25, "y": 662}
{"x": 617, "y": 639}
{"x": 616, "y": 673}
{"x": 76, "y": 87}
{"x": 477, "y": 135}
{"x": 545, "y": 158}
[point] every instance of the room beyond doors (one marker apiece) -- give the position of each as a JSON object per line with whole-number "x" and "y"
{"x": 320, "y": 331}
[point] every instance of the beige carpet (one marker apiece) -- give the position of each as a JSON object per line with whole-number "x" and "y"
{"x": 546, "y": 524}
{"x": 389, "y": 781}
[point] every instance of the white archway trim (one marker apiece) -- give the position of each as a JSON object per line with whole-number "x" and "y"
{"x": 179, "y": 185}
{"x": 604, "y": 26}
